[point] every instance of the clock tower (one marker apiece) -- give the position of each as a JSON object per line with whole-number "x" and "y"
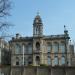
{"x": 37, "y": 40}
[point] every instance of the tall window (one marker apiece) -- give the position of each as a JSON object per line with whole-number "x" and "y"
{"x": 63, "y": 60}
{"x": 18, "y": 49}
{"x": 29, "y": 60}
{"x": 55, "y": 61}
{"x": 55, "y": 47}
{"x": 62, "y": 47}
{"x": 37, "y": 30}
{"x": 37, "y": 60}
{"x": 30, "y": 48}
{"x": 49, "y": 60}
{"x": 17, "y": 60}
{"x": 49, "y": 47}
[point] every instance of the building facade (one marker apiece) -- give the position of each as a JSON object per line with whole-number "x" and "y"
{"x": 53, "y": 50}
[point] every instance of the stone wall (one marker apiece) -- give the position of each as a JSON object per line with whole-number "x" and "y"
{"x": 41, "y": 70}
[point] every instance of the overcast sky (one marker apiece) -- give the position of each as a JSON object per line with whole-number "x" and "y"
{"x": 54, "y": 13}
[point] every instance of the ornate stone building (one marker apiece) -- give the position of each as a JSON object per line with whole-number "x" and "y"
{"x": 40, "y": 49}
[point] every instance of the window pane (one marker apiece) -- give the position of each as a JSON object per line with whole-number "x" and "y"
{"x": 55, "y": 61}
{"x": 29, "y": 60}
{"x": 37, "y": 60}
{"x": 55, "y": 48}
{"x": 17, "y": 63}
{"x": 49, "y": 61}
{"x": 18, "y": 49}
{"x": 63, "y": 60}
{"x": 62, "y": 47}
{"x": 29, "y": 49}
{"x": 17, "y": 60}
{"x": 49, "y": 48}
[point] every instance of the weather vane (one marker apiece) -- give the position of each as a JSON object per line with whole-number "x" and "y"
{"x": 65, "y": 27}
{"x": 38, "y": 13}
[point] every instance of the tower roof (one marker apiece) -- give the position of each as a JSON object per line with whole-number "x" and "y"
{"x": 37, "y": 19}
{"x": 37, "y": 16}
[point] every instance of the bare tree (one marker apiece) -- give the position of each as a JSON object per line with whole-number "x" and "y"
{"x": 4, "y": 7}
{"x": 4, "y": 11}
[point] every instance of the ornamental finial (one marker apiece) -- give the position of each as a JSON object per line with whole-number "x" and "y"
{"x": 65, "y": 27}
{"x": 38, "y": 13}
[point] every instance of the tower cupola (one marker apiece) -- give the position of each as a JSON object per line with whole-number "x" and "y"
{"x": 37, "y": 26}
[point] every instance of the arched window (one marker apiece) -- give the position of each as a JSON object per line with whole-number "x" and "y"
{"x": 49, "y": 60}
{"x": 18, "y": 49}
{"x": 30, "y": 48}
{"x": 63, "y": 60}
{"x": 29, "y": 60}
{"x": 17, "y": 60}
{"x": 55, "y": 61}
{"x": 37, "y": 30}
{"x": 49, "y": 47}
{"x": 37, "y": 46}
{"x": 55, "y": 47}
{"x": 62, "y": 47}
{"x": 37, "y": 60}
